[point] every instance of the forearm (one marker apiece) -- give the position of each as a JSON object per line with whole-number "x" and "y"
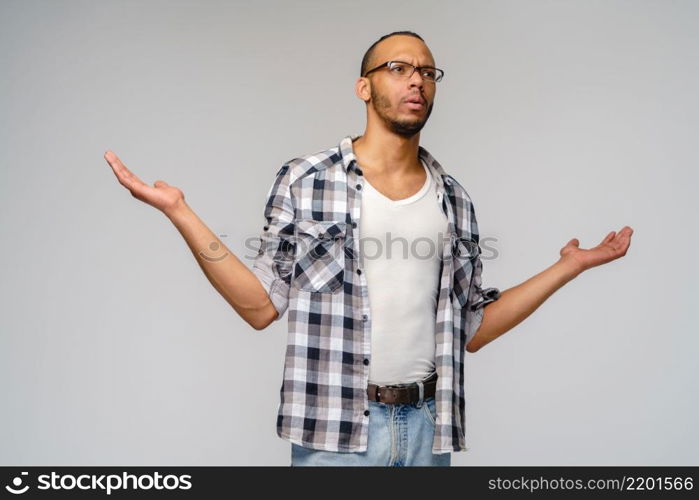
{"x": 517, "y": 303}
{"x": 236, "y": 283}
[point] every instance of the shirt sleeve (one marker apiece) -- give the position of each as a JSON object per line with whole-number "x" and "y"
{"x": 478, "y": 298}
{"x": 275, "y": 257}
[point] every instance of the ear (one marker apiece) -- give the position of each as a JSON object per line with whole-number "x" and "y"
{"x": 362, "y": 88}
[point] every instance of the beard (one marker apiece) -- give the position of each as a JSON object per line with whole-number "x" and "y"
{"x": 405, "y": 127}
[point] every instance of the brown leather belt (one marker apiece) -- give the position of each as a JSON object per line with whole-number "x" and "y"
{"x": 403, "y": 393}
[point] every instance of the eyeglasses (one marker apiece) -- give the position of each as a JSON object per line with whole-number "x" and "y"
{"x": 405, "y": 70}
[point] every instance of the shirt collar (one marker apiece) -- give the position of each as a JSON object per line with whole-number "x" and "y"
{"x": 349, "y": 159}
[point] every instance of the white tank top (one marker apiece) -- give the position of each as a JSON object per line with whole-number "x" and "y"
{"x": 403, "y": 280}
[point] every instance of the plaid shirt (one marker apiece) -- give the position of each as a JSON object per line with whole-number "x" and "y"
{"x": 308, "y": 263}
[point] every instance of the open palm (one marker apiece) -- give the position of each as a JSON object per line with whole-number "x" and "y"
{"x": 161, "y": 195}
{"x": 613, "y": 246}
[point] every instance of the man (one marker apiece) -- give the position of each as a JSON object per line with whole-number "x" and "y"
{"x": 374, "y": 365}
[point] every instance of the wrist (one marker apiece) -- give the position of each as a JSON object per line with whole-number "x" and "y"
{"x": 569, "y": 267}
{"x": 177, "y": 210}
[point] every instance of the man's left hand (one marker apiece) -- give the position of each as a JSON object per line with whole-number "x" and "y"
{"x": 613, "y": 246}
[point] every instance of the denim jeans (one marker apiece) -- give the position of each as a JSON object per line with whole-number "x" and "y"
{"x": 400, "y": 435}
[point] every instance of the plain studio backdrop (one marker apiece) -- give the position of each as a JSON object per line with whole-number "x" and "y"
{"x": 562, "y": 119}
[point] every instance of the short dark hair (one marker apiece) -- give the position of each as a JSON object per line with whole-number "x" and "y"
{"x": 370, "y": 51}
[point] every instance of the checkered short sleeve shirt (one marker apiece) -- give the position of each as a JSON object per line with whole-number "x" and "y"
{"x": 308, "y": 264}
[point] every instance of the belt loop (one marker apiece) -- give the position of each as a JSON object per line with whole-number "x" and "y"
{"x": 421, "y": 392}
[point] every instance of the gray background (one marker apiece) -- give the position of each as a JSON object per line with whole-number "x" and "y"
{"x": 562, "y": 119}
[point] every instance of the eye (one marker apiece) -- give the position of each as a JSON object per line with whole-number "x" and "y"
{"x": 397, "y": 68}
{"x": 429, "y": 73}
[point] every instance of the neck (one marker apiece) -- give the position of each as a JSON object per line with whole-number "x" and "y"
{"x": 381, "y": 151}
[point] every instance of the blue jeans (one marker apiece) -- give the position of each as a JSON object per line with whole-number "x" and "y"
{"x": 399, "y": 435}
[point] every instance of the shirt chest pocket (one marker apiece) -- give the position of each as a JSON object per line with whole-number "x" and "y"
{"x": 320, "y": 250}
{"x": 464, "y": 254}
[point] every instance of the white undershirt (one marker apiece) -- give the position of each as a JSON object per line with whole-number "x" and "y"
{"x": 403, "y": 286}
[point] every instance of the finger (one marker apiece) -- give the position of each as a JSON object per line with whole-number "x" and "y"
{"x": 609, "y": 237}
{"x": 624, "y": 235}
{"x": 125, "y": 176}
{"x": 622, "y": 241}
{"x": 626, "y": 240}
{"x": 626, "y": 231}
{"x": 118, "y": 166}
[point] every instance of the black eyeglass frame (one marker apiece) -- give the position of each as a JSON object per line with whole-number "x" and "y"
{"x": 415, "y": 68}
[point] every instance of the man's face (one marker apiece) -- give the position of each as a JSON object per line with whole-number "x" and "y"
{"x": 390, "y": 93}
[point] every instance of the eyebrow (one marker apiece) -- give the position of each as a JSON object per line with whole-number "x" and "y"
{"x": 404, "y": 57}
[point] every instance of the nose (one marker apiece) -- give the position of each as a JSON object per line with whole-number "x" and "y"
{"x": 416, "y": 79}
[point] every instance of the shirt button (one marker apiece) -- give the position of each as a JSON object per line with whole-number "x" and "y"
{"x": 364, "y": 317}
{"x": 359, "y": 186}
{"x": 354, "y": 224}
{"x": 359, "y": 171}
{"x": 359, "y": 271}
{"x": 266, "y": 228}
{"x": 366, "y": 412}
{"x": 366, "y": 361}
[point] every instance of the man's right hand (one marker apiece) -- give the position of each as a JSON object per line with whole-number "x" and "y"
{"x": 238, "y": 285}
{"x": 161, "y": 195}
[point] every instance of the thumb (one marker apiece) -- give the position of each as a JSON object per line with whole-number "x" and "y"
{"x": 573, "y": 242}
{"x": 160, "y": 184}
